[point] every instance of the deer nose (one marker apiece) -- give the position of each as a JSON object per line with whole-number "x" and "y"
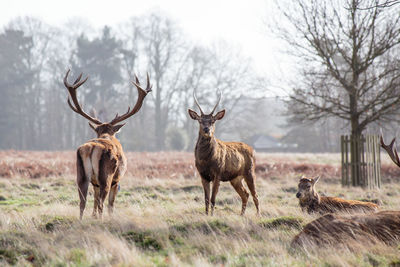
{"x": 298, "y": 195}
{"x": 206, "y": 129}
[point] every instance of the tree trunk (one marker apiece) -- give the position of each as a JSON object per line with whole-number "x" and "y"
{"x": 158, "y": 121}
{"x": 355, "y": 146}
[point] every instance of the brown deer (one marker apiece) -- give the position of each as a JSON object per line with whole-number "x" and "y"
{"x": 101, "y": 161}
{"x": 333, "y": 230}
{"x": 218, "y": 161}
{"x": 312, "y": 202}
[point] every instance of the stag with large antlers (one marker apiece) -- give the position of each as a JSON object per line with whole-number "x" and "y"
{"x": 218, "y": 161}
{"x": 101, "y": 161}
{"x": 391, "y": 150}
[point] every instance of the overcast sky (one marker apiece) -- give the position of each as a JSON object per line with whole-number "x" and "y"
{"x": 239, "y": 22}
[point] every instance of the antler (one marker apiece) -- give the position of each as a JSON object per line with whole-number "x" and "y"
{"x": 197, "y": 102}
{"x": 141, "y": 95}
{"x": 72, "y": 92}
{"x": 219, "y": 99}
{"x": 392, "y": 151}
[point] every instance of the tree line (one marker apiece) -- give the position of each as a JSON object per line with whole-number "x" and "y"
{"x": 34, "y": 57}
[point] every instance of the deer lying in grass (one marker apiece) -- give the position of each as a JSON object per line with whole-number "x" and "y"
{"x": 218, "y": 161}
{"x": 332, "y": 230}
{"x": 101, "y": 161}
{"x": 312, "y": 202}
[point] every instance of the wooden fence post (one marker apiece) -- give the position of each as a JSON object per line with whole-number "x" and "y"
{"x": 364, "y": 166}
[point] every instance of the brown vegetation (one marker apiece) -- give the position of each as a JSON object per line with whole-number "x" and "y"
{"x": 37, "y": 164}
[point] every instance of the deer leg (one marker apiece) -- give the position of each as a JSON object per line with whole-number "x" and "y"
{"x": 111, "y": 198}
{"x": 104, "y": 190}
{"x": 215, "y": 188}
{"x": 96, "y": 203}
{"x": 206, "y": 187}
{"x": 237, "y": 183}
{"x": 83, "y": 184}
{"x": 250, "y": 181}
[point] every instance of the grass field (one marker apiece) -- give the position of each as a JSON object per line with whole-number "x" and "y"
{"x": 159, "y": 217}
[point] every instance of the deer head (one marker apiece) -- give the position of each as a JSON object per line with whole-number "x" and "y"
{"x": 306, "y": 187}
{"x": 101, "y": 128}
{"x": 206, "y": 121}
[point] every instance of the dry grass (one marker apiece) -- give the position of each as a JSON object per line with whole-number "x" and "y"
{"x": 161, "y": 221}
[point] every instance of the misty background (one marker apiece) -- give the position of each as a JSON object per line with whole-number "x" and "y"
{"x": 258, "y": 98}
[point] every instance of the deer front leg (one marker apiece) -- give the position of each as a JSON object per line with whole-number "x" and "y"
{"x": 206, "y": 187}
{"x": 214, "y": 194}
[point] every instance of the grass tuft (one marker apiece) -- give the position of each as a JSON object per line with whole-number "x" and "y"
{"x": 284, "y": 221}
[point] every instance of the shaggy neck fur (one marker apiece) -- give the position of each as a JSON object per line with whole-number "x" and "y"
{"x": 206, "y": 146}
{"x": 311, "y": 202}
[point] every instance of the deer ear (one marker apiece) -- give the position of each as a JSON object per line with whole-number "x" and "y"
{"x": 92, "y": 126}
{"x": 193, "y": 114}
{"x": 117, "y": 128}
{"x": 219, "y": 115}
{"x": 316, "y": 179}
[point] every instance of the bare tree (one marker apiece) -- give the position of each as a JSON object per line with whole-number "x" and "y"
{"x": 350, "y": 66}
{"x": 163, "y": 47}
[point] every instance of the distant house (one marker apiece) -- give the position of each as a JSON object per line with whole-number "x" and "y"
{"x": 264, "y": 143}
{"x": 268, "y": 143}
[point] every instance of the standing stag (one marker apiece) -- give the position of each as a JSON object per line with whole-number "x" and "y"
{"x": 101, "y": 161}
{"x": 218, "y": 161}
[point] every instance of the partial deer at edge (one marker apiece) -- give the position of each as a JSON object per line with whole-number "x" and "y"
{"x": 218, "y": 161}
{"x": 101, "y": 161}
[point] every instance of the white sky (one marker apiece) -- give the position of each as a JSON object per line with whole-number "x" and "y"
{"x": 238, "y": 22}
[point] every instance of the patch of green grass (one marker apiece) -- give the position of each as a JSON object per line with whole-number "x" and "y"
{"x": 191, "y": 188}
{"x": 8, "y": 255}
{"x": 203, "y": 227}
{"x": 30, "y": 186}
{"x": 284, "y": 221}
{"x": 218, "y": 259}
{"x": 15, "y": 245}
{"x": 78, "y": 257}
{"x": 145, "y": 240}
{"x": 19, "y": 202}
{"x": 395, "y": 263}
{"x": 56, "y": 222}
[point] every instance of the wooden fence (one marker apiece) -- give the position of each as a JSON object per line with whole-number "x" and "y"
{"x": 361, "y": 162}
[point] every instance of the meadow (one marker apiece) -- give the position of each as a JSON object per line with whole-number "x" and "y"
{"x": 159, "y": 215}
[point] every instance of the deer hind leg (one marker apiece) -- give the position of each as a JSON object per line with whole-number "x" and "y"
{"x": 111, "y": 198}
{"x": 250, "y": 181}
{"x": 237, "y": 183}
{"x": 107, "y": 168}
{"x": 83, "y": 184}
{"x": 120, "y": 172}
{"x": 215, "y": 188}
{"x": 206, "y": 187}
{"x": 96, "y": 203}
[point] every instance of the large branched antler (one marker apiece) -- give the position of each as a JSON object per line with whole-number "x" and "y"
{"x": 391, "y": 150}
{"x": 141, "y": 95}
{"x": 72, "y": 92}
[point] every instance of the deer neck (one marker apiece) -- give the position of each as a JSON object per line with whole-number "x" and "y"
{"x": 205, "y": 146}
{"x": 311, "y": 200}
{"x": 108, "y": 137}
